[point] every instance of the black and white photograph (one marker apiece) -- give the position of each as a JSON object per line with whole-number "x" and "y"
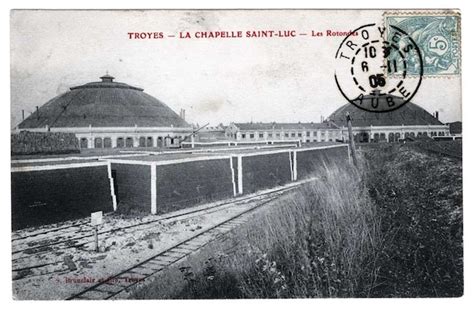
{"x": 236, "y": 154}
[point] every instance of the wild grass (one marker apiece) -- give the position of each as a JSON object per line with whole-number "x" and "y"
{"x": 418, "y": 196}
{"x": 380, "y": 230}
{"x": 316, "y": 242}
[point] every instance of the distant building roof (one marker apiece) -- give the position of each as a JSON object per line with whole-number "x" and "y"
{"x": 455, "y": 127}
{"x": 284, "y": 126}
{"x": 104, "y": 104}
{"x": 409, "y": 115}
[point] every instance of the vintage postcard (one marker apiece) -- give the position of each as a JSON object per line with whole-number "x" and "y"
{"x": 197, "y": 154}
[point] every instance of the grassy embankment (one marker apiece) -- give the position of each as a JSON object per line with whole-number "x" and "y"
{"x": 393, "y": 228}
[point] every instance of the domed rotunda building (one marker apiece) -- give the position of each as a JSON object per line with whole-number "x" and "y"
{"x": 410, "y": 120}
{"x": 109, "y": 114}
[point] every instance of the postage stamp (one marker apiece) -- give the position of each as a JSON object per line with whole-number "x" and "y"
{"x": 438, "y": 37}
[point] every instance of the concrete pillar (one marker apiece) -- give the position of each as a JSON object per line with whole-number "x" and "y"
{"x": 240, "y": 186}
{"x": 112, "y": 189}
{"x": 153, "y": 189}
{"x": 114, "y": 141}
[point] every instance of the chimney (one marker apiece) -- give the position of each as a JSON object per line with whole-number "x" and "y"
{"x": 107, "y": 78}
{"x": 437, "y": 115}
{"x": 22, "y": 114}
{"x": 184, "y": 114}
{"x": 37, "y": 113}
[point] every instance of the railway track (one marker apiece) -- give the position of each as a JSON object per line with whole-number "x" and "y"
{"x": 111, "y": 287}
{"x": 172, "y": 218}
{"x": 52, "y": 267}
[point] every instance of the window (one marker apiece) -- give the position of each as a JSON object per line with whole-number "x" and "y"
{"x": 277, "y": 134}
{"x": 293, "y": 134}
{"x": 376, "y": 137}
{"x": 260, "y": 135}
{"x": 287, "y": 134}
{"x": 98, "y": 143}
{"x": 315, "y": 133}
{"x": 129, "y": 142}
{"x": 252, "y": 135}
{"x": 107, "y": 143}
{"x": 120, "y": 142}
{"x": 308, "y": 133}
{"x": 142, "y": 142}
{"x": 300, "y": 134}
{"x": 391, "y": 137}
{"x": 270, "y": 135}
{"x": 243, "y": 135}
{"x": 83, "y": 142}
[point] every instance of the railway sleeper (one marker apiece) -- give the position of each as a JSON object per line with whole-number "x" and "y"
{"x": 167, "y": 259}
{"x": 189, "y": 248}
{"x": 178, "y": 252}
{"x": 110, "y": 288}
{"x": 200, "y": 240}
{"x": 93, "y": 294}
{"x": 175, "y": 255}
{"x": 144, "y": 270}
{"x": 157, "y": 262}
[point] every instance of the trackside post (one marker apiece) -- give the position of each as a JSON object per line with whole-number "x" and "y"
{"x": 351, "y": 139}
{"x": 96, "y": 220}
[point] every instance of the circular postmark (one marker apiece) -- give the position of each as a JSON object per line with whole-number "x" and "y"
{"x": 372, "y": 68}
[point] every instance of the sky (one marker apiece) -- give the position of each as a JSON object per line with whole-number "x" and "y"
{"x": 218, "y": 80}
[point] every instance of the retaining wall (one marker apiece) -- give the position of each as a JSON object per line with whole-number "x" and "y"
{"x": 164, "y": 186}
{"x": 263, "y": 171}
{"x": 50, "y": 194}
{"x": 131, "y": 185}
{"x": 308, "y": 160}
{"x": 184, "y": 184}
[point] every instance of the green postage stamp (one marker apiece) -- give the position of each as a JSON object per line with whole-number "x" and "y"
{"x": 437, "y": 36}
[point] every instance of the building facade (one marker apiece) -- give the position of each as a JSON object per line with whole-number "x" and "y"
{"x": 210, "y": 133}
{"x": 303, "y": 132}
{"x": 408, "y": 121}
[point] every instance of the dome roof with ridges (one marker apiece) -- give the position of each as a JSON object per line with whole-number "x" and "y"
{"x": 104, "y": 104}
{"x": 409, "y": 115}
